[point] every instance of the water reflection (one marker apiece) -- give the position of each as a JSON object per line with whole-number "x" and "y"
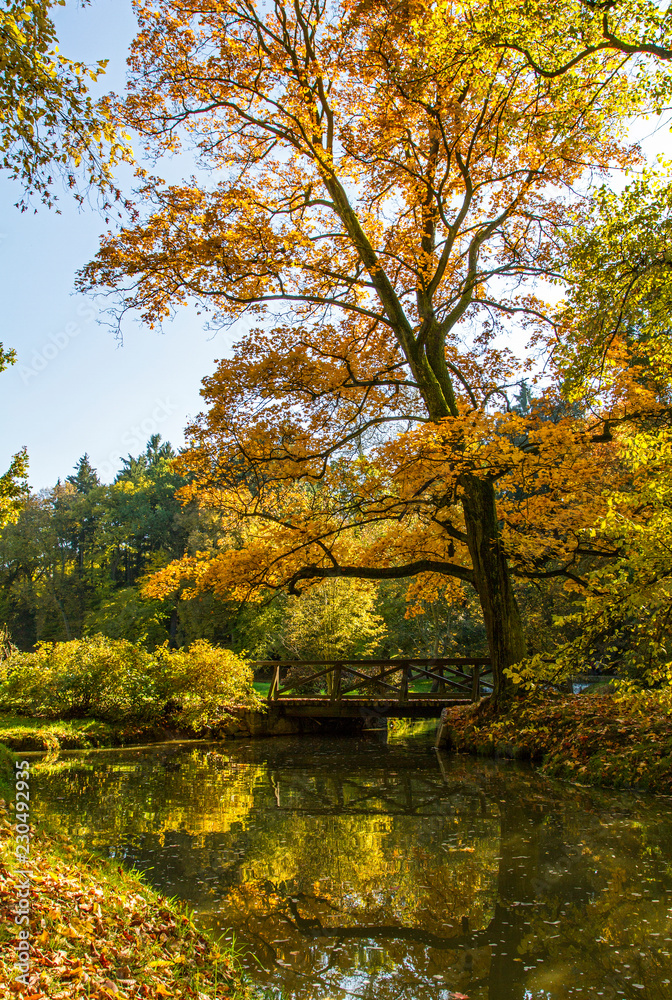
{"x": 355, "y": 869}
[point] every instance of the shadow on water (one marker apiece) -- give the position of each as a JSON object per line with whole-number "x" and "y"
{"x": 357, "y": 868}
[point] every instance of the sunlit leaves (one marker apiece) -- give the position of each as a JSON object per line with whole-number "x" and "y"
{"x": 13, "y": 488}
{"x": 49, "y": 124}
{"x": 617, "y": 315}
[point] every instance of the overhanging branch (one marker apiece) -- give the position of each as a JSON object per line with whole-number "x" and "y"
{"x": 377, "y": 572}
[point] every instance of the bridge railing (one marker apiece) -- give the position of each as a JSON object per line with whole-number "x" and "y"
{"x": 390, "y": 679}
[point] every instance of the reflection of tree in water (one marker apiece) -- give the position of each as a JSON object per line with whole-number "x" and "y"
{"x": 388, "y": 888}
{"x": 374, "y": 874}
{"x": 179, "y": 816}
{"x": 572, "y": 917}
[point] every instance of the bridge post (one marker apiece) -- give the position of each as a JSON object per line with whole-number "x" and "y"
{"x": 476, "y": 682}
{"x": 275, "y": 684}
{"x": 336, "y": 689}
{"x": 403, "y": 691}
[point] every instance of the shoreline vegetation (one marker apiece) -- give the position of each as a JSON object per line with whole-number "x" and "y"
{"x": 26, "y": 735}
{"x": 590, "y": 738}
{"x": 99, "y": 930}
{"x": 599, "y": 739}
{"x": 98, "y": 692}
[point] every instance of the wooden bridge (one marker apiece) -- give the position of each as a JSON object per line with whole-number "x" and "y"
{"x": 356, "y": 689}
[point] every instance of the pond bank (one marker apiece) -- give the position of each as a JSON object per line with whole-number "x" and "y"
{"x": 98, "y": 930}
{"x": 587, "y": 738}
{"x": 23, "y": 733}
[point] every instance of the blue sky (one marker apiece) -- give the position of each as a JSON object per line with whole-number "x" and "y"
{"x": 75, "y": 388}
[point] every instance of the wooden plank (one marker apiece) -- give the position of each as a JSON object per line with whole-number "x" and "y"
{"x": 336, "y": 690}
{"x": 464, "y": 677}
{"x": 372, "y": 679}
{"x": 423, "y": 661}
{"x": 305, "y": 680}
{"x": 403, "y": 694}
{"x": 273, "y": 692}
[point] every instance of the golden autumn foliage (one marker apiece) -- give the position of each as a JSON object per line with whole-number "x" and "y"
{"x": 403, "y": 183}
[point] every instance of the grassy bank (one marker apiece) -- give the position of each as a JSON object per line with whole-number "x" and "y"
{"x": 99, "y": 931}
{"x": 21, "y": 733}
{"x": 587, "y": 738}
{"x": 18, "y": 732}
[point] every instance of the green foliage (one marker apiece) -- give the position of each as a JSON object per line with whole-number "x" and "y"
{"x": 449, "y": 623}
{"x": 97, "y": 676}
{"x": 14, "y": 488}
{"x": 115, "y": 679}
{"x": 616, "y": 262}
{"x": 85, "y": 477}
{"x": 75, "y": 548}
{"x": 621, "y": 622}
{"x": 6, "y": 358}
{"x": 125, "y": 614}
{"x": 334, "y": 618}
{"x": 48, "y": 122}
{"x": 13, "y": 483}
{"x": 204, "y": 679}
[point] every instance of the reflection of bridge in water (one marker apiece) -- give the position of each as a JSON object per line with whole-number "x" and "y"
{"x": 363, "y": 689}
{"x": 397, "y": 795}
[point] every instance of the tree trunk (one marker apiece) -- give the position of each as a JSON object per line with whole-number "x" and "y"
{"x": 174, "y": 620}
{"x": 503, "y": 625}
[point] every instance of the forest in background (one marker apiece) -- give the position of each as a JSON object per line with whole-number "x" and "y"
{"x": 76, "y": 562}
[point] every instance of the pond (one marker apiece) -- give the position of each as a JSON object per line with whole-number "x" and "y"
{"x": 372, "y": 868}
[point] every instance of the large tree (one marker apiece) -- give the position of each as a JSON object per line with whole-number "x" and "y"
{"x": 391, "y": 181}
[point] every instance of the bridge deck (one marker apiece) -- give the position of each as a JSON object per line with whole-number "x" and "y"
{"x": 417, "y": 707}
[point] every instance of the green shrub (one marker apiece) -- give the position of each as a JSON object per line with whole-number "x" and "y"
{"x": 202, "y": 678}
{"x": 115, "y": 679}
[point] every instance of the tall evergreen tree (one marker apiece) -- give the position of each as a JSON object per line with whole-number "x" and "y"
{"x": 85, "y": 477}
